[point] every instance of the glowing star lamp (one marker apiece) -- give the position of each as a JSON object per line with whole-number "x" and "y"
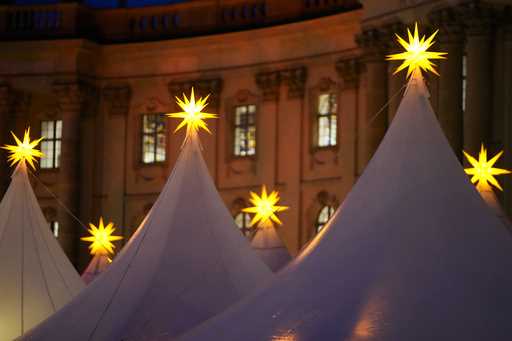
{"x": 416, "y": 57}
{"x": 36, "y": 277}
{"x": 266, "y": 241}
{"x": 192, "y": 114}
{"x": 482, "y": 174}
{"x": 101, "y": 248}
{"x": 24, "y": 150}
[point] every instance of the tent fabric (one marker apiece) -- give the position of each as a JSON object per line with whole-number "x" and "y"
{"x": 492, "y": 201}
{"x": 267, "y": 244}
{"x": 185, "y": 263}
{"x": 412, "y": 254}
{"x": 97, "y": 265}
{"x": 36, "y": 277}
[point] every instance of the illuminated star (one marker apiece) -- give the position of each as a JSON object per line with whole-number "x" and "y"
{"x": 101, "y": 238}
{"x": 265, "y": 208}
{"x": 483, "y": 171}
{"x": 192, "y": 114}
{"x": 416, "y": 55}
{"x": 24, "y": 150}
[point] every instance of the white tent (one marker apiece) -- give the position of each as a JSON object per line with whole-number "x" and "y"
{"x": 98, "y": 264}
{"x": 416, "y": 255}
{"x": 267, "y": 244}
{"x": 186, "y": 263}
{"x": 36, "y": 277}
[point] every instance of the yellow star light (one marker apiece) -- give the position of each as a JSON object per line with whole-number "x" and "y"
{"x": 265, "y": 208}
{"x": 101, "y": 238}
{"x": 483, "y": 171}
{"x": 23, "y": 150}
{"x": 416, "y": 55}
{"x": 192, "y": 114}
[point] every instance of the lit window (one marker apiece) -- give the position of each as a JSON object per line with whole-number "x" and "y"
{"x": 245, "y": 130}
{"x": 323, "y": 217}
{"x": 327, "y": 120}
{"x": 54, "y": 227}
{"x": 464, "y": 81}
{"x": 153, "y": 138}
{"x": 51, "y": 144}
{"x": 243, "y": 221}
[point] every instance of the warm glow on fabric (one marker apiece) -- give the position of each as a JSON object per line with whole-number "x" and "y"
{"x": 101, "y": 238}
{"x": 24, "y": 150}
{"x": 265, "y": 208}
{"x": 416, "y": 55}
{"x": 192, "y": 114}
{"x": 483, "y": 171}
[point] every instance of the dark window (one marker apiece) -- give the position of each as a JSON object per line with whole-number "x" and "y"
{"x": 243, "y": 221}
{"x": 153, "y": 138}
{"x": 51, "y": 144}
{"x": 54, "y": 227}
{"x": 245, "y": 130}
{"x": 327, "y": 125}
{"x": 323, "y": 217}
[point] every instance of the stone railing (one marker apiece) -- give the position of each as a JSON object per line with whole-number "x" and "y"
{"x": 157, "y": 22}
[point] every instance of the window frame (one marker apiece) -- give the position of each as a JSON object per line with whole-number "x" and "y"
{"x": 319, "y": 226}
{"x": 246, "y": 230}
{"x": 246, "y": 127}
{"x": 330, "y": 115}
{"x": 54, "y": 142}
{"x": 154, "y": 134}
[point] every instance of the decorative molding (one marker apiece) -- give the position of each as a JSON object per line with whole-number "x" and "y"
{"x": 118, "y": 98}
{"x": 269, "y": 83}
{"x": 374, "y": 44}
{"x": 479, "y": 18}
{"x": 295, "y": 79}
{"x": 349, "y": 70}
{"x": 202, "y": 87}
{"x": 450, "y": 24}
{"x": 75, "y": 96}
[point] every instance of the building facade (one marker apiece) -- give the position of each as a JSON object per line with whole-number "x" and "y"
{"x": 302, "y": 88}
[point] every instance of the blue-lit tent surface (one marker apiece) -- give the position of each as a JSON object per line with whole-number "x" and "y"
{"x": 414, "y": 253}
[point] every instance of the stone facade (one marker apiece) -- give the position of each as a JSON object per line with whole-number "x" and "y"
{"x": 100, "y": 90}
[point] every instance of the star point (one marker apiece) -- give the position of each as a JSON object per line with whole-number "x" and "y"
{"x": 416, "y": 55}
{"x": 483, "y": 171}
{"x": 24, "y": 150}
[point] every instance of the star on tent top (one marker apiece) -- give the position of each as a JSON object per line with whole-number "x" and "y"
{"x": 483, "y": 171}
{"x": 265, "y": 208}
{"x": 24, "y": 150}
{"x": 101, "y": 238}
{"x": 192, "y": 115}
{"x": 416, "y": 55}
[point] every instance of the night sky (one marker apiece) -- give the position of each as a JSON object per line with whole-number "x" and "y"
{"x": 105, "y": 3}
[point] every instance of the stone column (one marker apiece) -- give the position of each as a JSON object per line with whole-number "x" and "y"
{"x": 451, "y": 40}
{"x": 349, "y": 71}
{"x": 396, "y": 82}
{"x": 373, "y": 122}
{"x": 269, "y": 84}
{"x": 289, "y": 161}
{"x": 5, "y": 118}
{"x": 477, "y": 117}
{"x": 507, "y": 114}
{"x": 71, "y": 97}
{"x": 117, "y": 104}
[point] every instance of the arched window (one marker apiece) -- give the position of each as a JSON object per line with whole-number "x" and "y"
{"x": 243, "y": 221}
{"x": 323, "y": 217}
